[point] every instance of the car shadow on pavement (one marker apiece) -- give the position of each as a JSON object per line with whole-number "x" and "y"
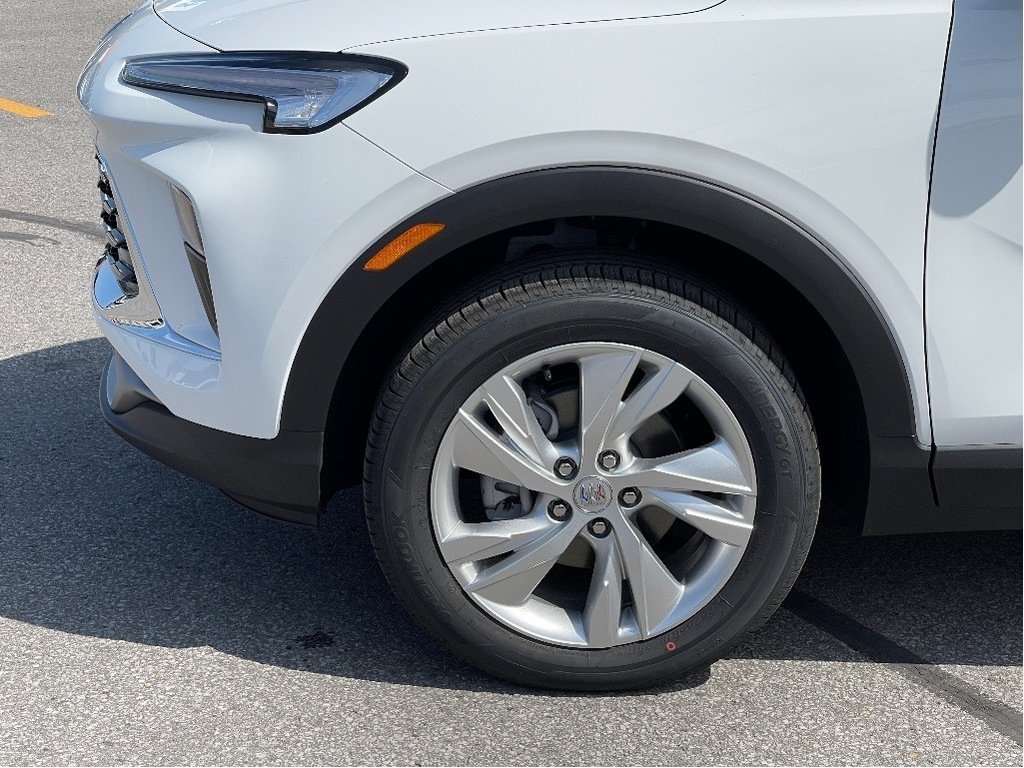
{"x": 97, "y": 539}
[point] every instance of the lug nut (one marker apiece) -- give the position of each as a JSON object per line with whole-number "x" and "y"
{"x": 559, "y": 510}
{"x": 629, "y": 497}
{"x": 608, "y": 459}
{"x": 565, "y": 467}
{"x": 599, "y": 528}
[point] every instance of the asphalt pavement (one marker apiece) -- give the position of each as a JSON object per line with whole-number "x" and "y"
{"x": 145, "y": 618}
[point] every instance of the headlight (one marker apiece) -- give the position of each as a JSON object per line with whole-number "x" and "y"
{"x": 301, "y": 92}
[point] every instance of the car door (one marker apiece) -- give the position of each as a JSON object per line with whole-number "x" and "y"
{"x": 973, "y": 249}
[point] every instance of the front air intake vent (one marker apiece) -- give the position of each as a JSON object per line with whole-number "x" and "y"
{"x": 193, "y": 242}
{"x": 116, "y": 252}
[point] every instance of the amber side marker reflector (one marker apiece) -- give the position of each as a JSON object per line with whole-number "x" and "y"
{"x": 401, "y": 245}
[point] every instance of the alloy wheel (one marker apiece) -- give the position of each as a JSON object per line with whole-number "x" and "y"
{"x": 593, "y": 495}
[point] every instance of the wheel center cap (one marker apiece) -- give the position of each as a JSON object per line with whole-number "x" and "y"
{"x": 592, "y": 494}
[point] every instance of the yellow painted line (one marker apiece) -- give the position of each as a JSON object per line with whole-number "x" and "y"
{"x": 22, "y": 110}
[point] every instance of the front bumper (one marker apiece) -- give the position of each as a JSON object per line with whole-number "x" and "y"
{"x": 279, "y": 478}
{"x": 281, "y": 219}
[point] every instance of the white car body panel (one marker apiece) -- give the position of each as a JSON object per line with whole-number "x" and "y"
{"x": 822, "y": 110}
{"x": 330, "y": 25}
{"x": 974, "y": 275}
{"x": 838, "y": 142}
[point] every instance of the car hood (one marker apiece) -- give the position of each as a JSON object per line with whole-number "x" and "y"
{"x": 335, "y": 25}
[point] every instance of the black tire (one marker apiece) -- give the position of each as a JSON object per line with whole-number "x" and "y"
{"x": 534, "y": 306}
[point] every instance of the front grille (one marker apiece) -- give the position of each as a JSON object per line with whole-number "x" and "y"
{"x": 116, "y": 252}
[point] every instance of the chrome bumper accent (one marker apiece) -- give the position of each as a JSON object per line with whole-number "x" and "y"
{"x": 114, "y": 302}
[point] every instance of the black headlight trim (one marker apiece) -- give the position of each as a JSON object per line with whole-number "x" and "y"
{"x": 311, "y": 61}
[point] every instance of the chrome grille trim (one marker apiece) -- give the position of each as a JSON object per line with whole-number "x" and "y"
{"x": 138, "y": 313}
{"x": 117, "y": 253}
{"x": 116, "y": 240}
{"x": 120, "y": 290}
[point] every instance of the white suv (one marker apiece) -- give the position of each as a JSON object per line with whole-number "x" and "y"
{"x": 595, "y": 299}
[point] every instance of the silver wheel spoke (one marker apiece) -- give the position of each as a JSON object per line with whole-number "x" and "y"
{"x": 512, "y": 580}
{"x": 475, "y": 541}
{"x": 603, "y": 380}
{"x": 713, "y": 468}
{"x": 655, "y": 393}
{"x": 603, "y": 613}
{"x": 715, "y": 520}
{"x": 510, "y": 407}
{"x": 478, "y": 449}
{"x": 655, "y": 590}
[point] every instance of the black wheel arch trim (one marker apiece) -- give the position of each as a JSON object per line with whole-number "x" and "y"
{"x": 351, "y": 306}
{"x": 903, "y": 495}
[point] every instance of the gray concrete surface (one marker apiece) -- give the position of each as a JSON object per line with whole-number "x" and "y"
{"x": 144, "y": 618}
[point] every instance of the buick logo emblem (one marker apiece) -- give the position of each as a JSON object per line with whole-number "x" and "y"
{"x": 592, "y": 494}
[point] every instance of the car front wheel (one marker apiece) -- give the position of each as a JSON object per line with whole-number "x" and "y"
{"x": 591, "y": 475}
